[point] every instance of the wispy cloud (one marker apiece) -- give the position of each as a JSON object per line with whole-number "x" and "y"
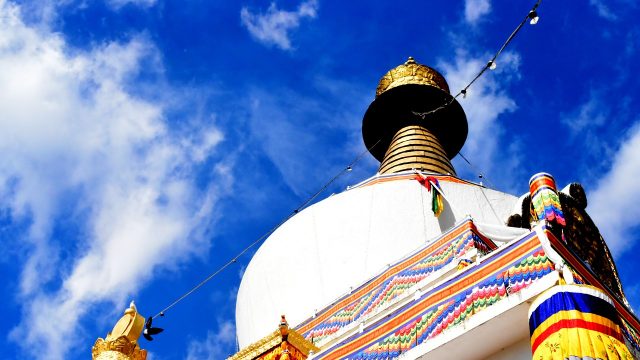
{"x": 310, "y": 138}
{"x": 275, "y": 26}
{"x": 216, "y": 344}
{"x": 44, "y": 13}
{"x": 603, "y": 10}
{"x": 615, "y": 204}
{"x": 486, "y": 101}
{"x": 592, "y": 113}
{"x": 474, "y": 10}
{"x": 612, "y": 159}
{"x": 588, "y": 125}
{"x": 141, "y": 3}
{"x": 78, "y": 144}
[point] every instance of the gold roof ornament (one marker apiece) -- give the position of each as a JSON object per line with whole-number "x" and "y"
{"x": 411, "y": 73}
{"x": 283, "y": 344}
{"x": 122, "y": 342}
{"x": 414, "y": 122}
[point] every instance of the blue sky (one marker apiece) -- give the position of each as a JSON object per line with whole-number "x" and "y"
{"x": 145, "y": 142}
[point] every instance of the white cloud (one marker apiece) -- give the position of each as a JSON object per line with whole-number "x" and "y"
{"x": 615, "y": 204}
{"x": 215, "y": 345}
{"x": 274, "y": 26}
{"x": 141, "y": 3}
{"x": 616, "y": 197}
{"x": 587, "y": 130}
{"x": 44, "y": 13}
{"x": 298, "y": 123}
{"x": 591, "y": 114}
{"x": 77, "y": 142}
{"x": 603, "y": 10}
{"x": 474, "y": 10}
{"x": 486, "y": 100}
{"x": 294, "y": 137}
{"x": 284, "y": 141}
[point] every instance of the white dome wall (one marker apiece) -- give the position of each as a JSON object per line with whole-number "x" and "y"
{"x": 344, "y": 240}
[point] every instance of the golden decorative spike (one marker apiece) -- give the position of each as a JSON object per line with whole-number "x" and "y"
{"x": 282, "y": 344}
{"x": 414, "y": 147}
{"x": 284, "y": 327}
{"x": 122, "y": 342}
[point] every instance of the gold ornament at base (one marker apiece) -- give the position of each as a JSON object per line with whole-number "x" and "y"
{"x": 122, "y": 342}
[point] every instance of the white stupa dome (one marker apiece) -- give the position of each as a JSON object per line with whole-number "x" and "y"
{"x": 340, "y": 242}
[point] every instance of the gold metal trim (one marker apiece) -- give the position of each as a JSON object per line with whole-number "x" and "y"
{"x": 299, "y": 342}
{"x": 259, "y": 347}
{"x": 122, "y": 342}
{"x": 414, "y": 147}
{"x": 273, "y": 340}
{"x": 120, "y": 348}
{"x": 413, "y": 150}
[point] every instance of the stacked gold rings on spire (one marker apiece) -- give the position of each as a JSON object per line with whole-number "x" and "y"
{"x": 413, "y": 146}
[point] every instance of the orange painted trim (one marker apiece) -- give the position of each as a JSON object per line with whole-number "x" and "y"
{"x": 392, "y": 271}
{"x": 476, "y": 277}
{"x": 542, "y": 182}
{"x": 411, "y": 176}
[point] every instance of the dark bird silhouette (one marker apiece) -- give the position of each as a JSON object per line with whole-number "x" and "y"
{"x": 149, "y": 330}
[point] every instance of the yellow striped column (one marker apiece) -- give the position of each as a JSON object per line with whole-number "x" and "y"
{"x": 577, "y": 322}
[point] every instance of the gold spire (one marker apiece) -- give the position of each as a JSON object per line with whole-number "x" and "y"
{"x": 401, "y": 139}
{"x": 122, "y": 342}
{"x": 411, "y": 73}
{"x": 414, "y": 147}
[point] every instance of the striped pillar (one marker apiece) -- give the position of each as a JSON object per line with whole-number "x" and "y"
{"x": 544, "y": 199}
{"x": 414, "y": 147}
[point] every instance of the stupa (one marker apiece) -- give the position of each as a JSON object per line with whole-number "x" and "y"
{"x": 417, "y": 263}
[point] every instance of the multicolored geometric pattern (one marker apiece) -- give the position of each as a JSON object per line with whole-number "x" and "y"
{"x": 633, "y": 339}
{"x": 507, "y": 271}
{"x": 544, "y": 198}
{"x": 397, "y": 280}
{"x": 576, "y": 322}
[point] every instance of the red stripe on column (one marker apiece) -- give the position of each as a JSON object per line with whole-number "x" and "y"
{"x": 575, "y": 323}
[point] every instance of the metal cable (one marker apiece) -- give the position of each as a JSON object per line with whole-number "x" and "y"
{"x": 423, "y": 115}
{"x": 302, "y": 206}
{"x": 341, "y": 172}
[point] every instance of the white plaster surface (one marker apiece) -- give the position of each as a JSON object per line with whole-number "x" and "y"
{"x": 518, "y": 351}
{"x": 344, "y": 240}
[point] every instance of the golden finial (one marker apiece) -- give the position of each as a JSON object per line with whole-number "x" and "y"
{"x": 122, "y": 342}
{"x": 284, "y": 344}
{"x": 411, "y": 73}
{"x": 399, "y": 136}
{"x": 284, "y": 327}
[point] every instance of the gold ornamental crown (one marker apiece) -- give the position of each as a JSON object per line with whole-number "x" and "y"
{"x": 411, "y": 73}
{"x": 122, "y": 342}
